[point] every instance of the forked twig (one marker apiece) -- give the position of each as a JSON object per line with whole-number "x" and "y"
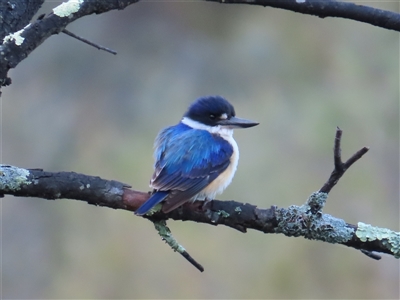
{"x": 340, "y": 167}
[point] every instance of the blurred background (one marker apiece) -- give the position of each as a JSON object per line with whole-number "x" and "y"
{"x": 74, "y": 108}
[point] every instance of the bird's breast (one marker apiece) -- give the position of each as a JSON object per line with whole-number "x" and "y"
{"x": 219, "y": 184}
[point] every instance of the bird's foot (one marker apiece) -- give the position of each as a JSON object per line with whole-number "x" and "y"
{"x": 206, "y": 205}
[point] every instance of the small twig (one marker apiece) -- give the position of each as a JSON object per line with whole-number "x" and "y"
{"x": 356, "y": 156}
{"x": 192, "y": 261}
{"x": 89, "y": 42}
{"x": 337, "y": 151}
{"x": 165, "y": 233}
{"x": 340, "y": 167}
{"x": 371, "y": 254}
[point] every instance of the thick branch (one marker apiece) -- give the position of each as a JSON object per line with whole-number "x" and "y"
{"x": 330, "y": 8}
{"x": 18, "y": 45}
{"x": 14, "y": 15}
{"x": 296, "y": 221}
{"x": 71, "y": 185}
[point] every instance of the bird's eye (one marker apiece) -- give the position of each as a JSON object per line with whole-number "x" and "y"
{"x": 212, "y": 117}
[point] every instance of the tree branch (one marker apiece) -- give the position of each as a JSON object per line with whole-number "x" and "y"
{"x": 330, "y": 8}
{"x": 20, "y": 37}
{"x": 306, "y": 220}
{"x": 14, "y": 15}
{"x": 18, "y": 45}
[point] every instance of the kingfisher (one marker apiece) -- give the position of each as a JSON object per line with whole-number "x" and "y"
{"x": 197, "y": 158}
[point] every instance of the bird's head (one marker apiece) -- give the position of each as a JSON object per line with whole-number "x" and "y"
{"x": 214, "y": 111}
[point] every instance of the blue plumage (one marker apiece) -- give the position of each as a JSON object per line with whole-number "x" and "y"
{"x": 196, "y": 158}
{"x": 183, "y": 149}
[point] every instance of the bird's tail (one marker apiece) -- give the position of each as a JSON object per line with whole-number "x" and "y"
{"x": 149, "y": 204}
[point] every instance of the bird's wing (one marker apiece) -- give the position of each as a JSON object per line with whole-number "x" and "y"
{"x": 186, "y": 163}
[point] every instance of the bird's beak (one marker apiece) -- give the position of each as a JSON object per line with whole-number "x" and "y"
{"x": 235, "y": 122}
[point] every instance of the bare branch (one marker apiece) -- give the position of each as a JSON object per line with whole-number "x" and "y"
{"x": 330, "y": 8}
{"x": 20, "y": 37}
{"x": 18, "y": 45}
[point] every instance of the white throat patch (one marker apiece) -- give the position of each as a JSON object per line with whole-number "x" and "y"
{"x": 224, "y": 132}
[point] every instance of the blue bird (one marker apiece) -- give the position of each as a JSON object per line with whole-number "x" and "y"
{"x": 197, "y": 158}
